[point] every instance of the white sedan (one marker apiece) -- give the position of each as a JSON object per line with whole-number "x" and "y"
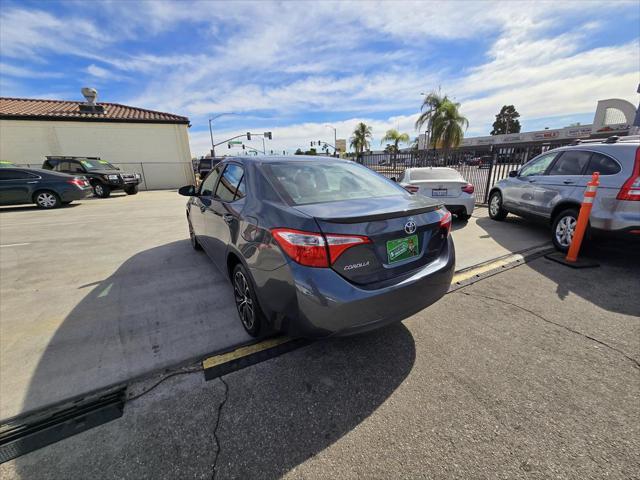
{"x": 444, "y": 184}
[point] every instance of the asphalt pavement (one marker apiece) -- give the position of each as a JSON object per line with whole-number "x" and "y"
{"x": 530, "y": 373}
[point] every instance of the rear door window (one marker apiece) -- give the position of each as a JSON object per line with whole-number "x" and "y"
{"x": 229, "y": 183}
{"x": 15, "y": 175}
{"x": 570, "y": 162}
{"x": 603, "y": 164}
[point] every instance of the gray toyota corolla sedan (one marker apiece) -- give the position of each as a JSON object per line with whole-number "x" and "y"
{"x": 317, "y": 246}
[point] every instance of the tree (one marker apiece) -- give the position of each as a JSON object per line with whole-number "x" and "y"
{"x": 359, "y": 140}
{"x": 396, "y": 137}
{"x": 506, "y": 121}
{"x": 431, "y": 104}
{"x": 447, "y": 125}
{"x": 299, "y": 152}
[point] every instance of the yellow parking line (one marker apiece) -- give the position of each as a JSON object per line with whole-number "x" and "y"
{"x": 467, "y": 274}
{"x": 244, "y": 351}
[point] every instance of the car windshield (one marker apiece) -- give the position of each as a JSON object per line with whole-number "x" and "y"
{"x": 97, "y": 165}
{"x": 434, "y": 174}
{"x": 306, "y": 183}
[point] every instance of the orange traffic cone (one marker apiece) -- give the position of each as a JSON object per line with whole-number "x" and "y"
{"x": 581, "y": 227}
{"x": 583, "y": 218}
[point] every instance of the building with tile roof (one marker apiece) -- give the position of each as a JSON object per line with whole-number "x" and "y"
{"x": 152, "y": 143}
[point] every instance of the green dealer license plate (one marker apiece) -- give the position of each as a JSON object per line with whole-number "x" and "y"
{"x": 402, "y": 248}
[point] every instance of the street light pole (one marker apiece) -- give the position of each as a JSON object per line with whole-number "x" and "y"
{"x": 213, "y": 147}
{"x": 335, "y": 138}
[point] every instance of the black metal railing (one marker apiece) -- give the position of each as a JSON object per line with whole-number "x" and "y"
{"x": 482, "y": 166}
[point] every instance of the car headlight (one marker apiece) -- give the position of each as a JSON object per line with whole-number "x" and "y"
{"x": 112, "y": 177}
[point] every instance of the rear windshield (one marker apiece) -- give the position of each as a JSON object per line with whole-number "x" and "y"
{"x": 434, "y": 174}
{"x": 305, "y": 183}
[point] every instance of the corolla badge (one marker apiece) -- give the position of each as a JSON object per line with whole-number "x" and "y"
{"x": 410, "y": 226}
{"x": 356, "y": 265}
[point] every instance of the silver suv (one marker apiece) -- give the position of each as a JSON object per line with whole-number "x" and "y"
{"x": 552, "y": 185}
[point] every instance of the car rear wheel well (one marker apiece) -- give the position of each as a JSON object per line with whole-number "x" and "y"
{"x": 42, "y": 190}
{"x": 232, "y": 261}
{"x": 493, "y": 190}
{"x": 561, "y": 207}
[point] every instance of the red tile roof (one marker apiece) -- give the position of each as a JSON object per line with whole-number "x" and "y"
{"x": 34, "y": 109}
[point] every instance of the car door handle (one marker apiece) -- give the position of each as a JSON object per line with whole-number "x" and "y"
{"x": 35, "y": 181}
{"x": 568, "y": 182}
{"x": 228, "y": 218}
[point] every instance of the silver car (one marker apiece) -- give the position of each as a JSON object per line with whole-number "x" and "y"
{"x": 552, "y": 186}
{"x": 442, "y": 184}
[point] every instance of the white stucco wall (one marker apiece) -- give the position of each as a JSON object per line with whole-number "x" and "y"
{"x": 159, "y": 152}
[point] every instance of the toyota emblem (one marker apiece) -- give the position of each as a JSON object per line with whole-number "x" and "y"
{"x": 410, "y": 226}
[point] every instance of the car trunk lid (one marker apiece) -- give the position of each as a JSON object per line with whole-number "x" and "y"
{"x": 404, "y": 234}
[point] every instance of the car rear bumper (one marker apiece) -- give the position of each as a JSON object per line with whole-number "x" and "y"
{"x": 324, "y": 304}
{"x": 623, "y": 216}
{"x": 75, "y": 193}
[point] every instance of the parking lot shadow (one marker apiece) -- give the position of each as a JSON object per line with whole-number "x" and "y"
{"x": 162, "y": 307}
{"x": 606, "y": 286}
{"x": 281, "y": 413}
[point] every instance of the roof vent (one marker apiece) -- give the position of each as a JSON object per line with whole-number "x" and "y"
{"x": 90, "y": 94}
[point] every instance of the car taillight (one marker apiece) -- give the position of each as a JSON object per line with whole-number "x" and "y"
{"x": 77, "y": 182}
{"x": 445, "y": 221}
{"x": 468, "y": 188}
{"x": 411, "y": 188}
{"x": 631, "y": 188}
{"x": 314, "y": 249}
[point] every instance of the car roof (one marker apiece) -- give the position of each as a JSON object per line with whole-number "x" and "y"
{"x": 41, "y": 171}
{"x": 286, "y": 158}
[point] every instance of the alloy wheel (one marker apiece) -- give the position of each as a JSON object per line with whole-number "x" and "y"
{"x": 46, "y": 200}
{"x": 494, "y": 206}
{"x": 243, "y": 300}
{"x": 564, "y": 231}
{"x": 99, "y": 190}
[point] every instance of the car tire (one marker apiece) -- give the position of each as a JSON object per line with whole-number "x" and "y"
{"x": 496, "y": 211}
{"x": 47, "y": 199}
{"x": 195, "y": 244}
{"x": 246, "y": 301}
{"x": 101, "y": 190}
{"x": 563, "y": 228}
{"x": 131, "y": 190}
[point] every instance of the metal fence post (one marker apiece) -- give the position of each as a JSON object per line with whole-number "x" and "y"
{"x": 488, "y": 185}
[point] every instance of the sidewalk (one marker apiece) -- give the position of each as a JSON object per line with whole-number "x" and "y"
{"x": 531, "y": 373}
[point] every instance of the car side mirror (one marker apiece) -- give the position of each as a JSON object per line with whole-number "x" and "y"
{"x": 513, "y": 173}
{"x": 394, "y": 179}
{"x": 187, "y": 191}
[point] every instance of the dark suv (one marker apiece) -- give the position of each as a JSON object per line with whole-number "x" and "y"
{"x": 103, "y": 176}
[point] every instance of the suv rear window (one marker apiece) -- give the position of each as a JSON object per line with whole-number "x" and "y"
{"x": 305, "y": 183}
{"x": 603, "y": 164}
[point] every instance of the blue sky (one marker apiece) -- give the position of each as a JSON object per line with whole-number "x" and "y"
{"x": 294, "y": 67}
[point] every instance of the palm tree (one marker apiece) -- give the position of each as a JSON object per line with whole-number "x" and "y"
{"x": 360, "y": 138}
{"x": 396, "y": 137}
{"x": 447, "y": 125}
{"x": 430, "y": 107}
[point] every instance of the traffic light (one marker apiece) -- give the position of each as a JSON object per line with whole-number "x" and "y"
{"x": 229, "y": 145}
{"x": 243, "y": 146}
{"x": 248, "y": 135}
{"x": 311, "y": 143}
{"x": 267, "y": 135}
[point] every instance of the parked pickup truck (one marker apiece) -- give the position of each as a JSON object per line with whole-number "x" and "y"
{"x": 103, "y": 176}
